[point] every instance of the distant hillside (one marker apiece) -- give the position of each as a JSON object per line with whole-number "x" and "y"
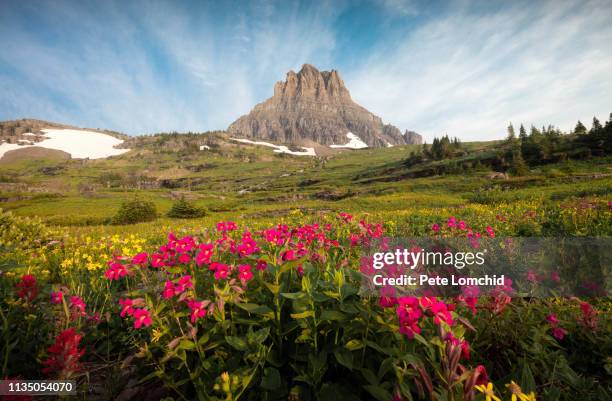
{"x": 36, "y": 139}
{"x": 13, "y": 130}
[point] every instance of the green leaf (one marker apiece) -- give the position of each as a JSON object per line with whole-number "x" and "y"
{"x": 293, "y": 295}
{"x": 259, "y": 336}
{"x": 186, "y": 345}
{"x": 236, "y": 342}
{"x": 344, "y": 357}
{"x": 329, "y": 315}
{"x": 354, "y": 344}
{"x": 203, "y": 338}
{"x": 385, "y": 367}
{"x": 271, "y": 379}
{"x": 527, "y": 381}
{"x": 303, "y": 315}
{"x": 274, "y": 288}
{"x": 257, "y": 309}
{"x": 369, "y": 376}
{"x": 378, "y": 392}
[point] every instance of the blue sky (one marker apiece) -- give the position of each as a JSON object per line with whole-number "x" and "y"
{"x": 465, "y": 68}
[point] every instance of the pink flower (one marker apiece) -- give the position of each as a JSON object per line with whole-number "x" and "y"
{"x": 469, "y": 297}
{"x": 558, "y": 333}
{"x": 184, "y": 283}
{"x": 184, "y": 258}
{"x": 244, "y": 273}
{"x": 141, "y": 317}
{"x": 588, "y": 318}
{"x": 77, "y": 305}
{"x": 490, "y": 231}
{"x": 461, "y": 225}
{"x": 288, "y": 255}
{"x": 140, "y": 259}
{"x": 198, "y": 309}
{"x": 482, "y": 378}
{"x": 554, "y": 277}
{"x": 387, "y": 297}
{"x": 226, "y": 226}
{"x": 451, "y": 222}
{"x": 435, "y": 227}
{"x": 552, "y": 319}
{"x": 441, "y": 313}
{"x": 127, "y": 307}
{"x": 409, "y": 313}
{"x": 221, "y": 270}
{"x": 116, "y": 271}
{"x": 57, "y": 297}
{"x": 206, "y": 252}
{"x": 169, "y": 290}
{"x": 346, "y": 217}
{"x": 532, "y": 277}
{"x": 465, "y": 350}
{"x": 157, "y": 260}
{"x": 261, "y": 265}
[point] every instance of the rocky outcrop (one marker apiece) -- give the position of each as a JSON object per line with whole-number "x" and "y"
{"x": 316, "y": 106}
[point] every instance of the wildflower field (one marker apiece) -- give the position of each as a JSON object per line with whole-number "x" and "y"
{"x": 264, "y": 299}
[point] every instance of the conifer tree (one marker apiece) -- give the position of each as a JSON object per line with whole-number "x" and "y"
{"x": 580, "y": 128}
{"x": 596, "y": 125}
{"x": 511, "y": 134}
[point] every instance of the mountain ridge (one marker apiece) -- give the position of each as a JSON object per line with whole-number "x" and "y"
{"x": 316, "y": 105}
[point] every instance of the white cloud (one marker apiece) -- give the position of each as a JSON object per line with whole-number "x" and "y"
{"x": 402, "y": 7}
{"x": 469, "y": 74}
{"x": 159, "y": 66}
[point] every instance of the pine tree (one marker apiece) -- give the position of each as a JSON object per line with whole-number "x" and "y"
{"x": 519, "y": 167}
{"x": 522, "y": 133}
{"x": 596, "y": 125}
{"x": 580, "y": 128}
{"x": 511, "y": 134}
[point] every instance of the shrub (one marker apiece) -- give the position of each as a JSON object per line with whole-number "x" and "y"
{"x": 135, "y": 211}
{"x": 183, "y": 209}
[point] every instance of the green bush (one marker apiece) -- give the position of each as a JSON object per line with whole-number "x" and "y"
{"x": 183, "y": 209}
{"x": 135, "y": 211}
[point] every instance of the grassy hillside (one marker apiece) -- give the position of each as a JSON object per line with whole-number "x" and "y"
{"x": 234, "y": 180}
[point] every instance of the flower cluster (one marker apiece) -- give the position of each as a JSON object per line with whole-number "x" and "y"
{"x": 588, "y": 317}
{"x": 411, "y": 309}
{"x": 172, "y": 289}
{"x": 459, "y": 228}
{"x": 135, "y": 309}
{"x": 64, "y": 355}
{"x": 557, "y": 331}
{"x": 27, "y": 288}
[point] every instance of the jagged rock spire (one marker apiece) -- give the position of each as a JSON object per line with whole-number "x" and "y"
{"x": 316, "y": 106}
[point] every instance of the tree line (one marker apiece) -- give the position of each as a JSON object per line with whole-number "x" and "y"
{"x": 517, "y": 153}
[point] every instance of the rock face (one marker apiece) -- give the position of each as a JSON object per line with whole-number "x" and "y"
{"x": 315, "y": 105}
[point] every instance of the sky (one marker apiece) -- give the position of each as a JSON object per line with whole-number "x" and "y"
{"x": 462, "y": 68}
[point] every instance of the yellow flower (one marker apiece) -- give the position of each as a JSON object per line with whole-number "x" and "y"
{"x": 517, "y": 392}
{"x": 488, "y": 392}
{"x": 156, "y": 335}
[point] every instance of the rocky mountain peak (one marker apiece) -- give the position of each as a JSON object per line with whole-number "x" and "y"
{"x": 316, "y": 106}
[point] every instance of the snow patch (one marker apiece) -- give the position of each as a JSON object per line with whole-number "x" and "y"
{"x": 354, "y": 142}
{"x": 5, "y": 147}
{"x": 80, "y": 144}
{"x": 389, "y": 145}
{"x": 204, "y": 147}
{"x": 279, "y": 148}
